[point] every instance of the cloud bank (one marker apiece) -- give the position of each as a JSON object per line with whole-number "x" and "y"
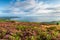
{"x": 35, "y": 10}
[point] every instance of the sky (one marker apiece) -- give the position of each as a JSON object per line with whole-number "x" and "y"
{"x": 32, "y": 10}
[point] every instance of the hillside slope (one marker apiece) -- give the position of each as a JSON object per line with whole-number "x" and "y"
{"x": 28, "y": 31}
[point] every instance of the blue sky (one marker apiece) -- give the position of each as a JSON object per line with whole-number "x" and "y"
{"x": 32, "y": 10}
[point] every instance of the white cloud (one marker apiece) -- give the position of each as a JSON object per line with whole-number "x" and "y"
{"x": 32, "y": 8}
{"x": 0, "y": 12}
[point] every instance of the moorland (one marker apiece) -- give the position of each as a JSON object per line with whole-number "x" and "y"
{"x": 15, "y": 30}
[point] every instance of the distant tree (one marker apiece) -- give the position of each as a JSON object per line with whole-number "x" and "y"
{"x": 57, "y": 23}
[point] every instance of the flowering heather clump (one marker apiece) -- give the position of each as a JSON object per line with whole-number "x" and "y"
{"x": 28, "y": 31}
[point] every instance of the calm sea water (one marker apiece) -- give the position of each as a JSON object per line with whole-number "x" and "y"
{"x": 37, "y": 19}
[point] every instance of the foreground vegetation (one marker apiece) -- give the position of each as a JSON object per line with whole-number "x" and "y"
{"x": 12, "y": 30}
